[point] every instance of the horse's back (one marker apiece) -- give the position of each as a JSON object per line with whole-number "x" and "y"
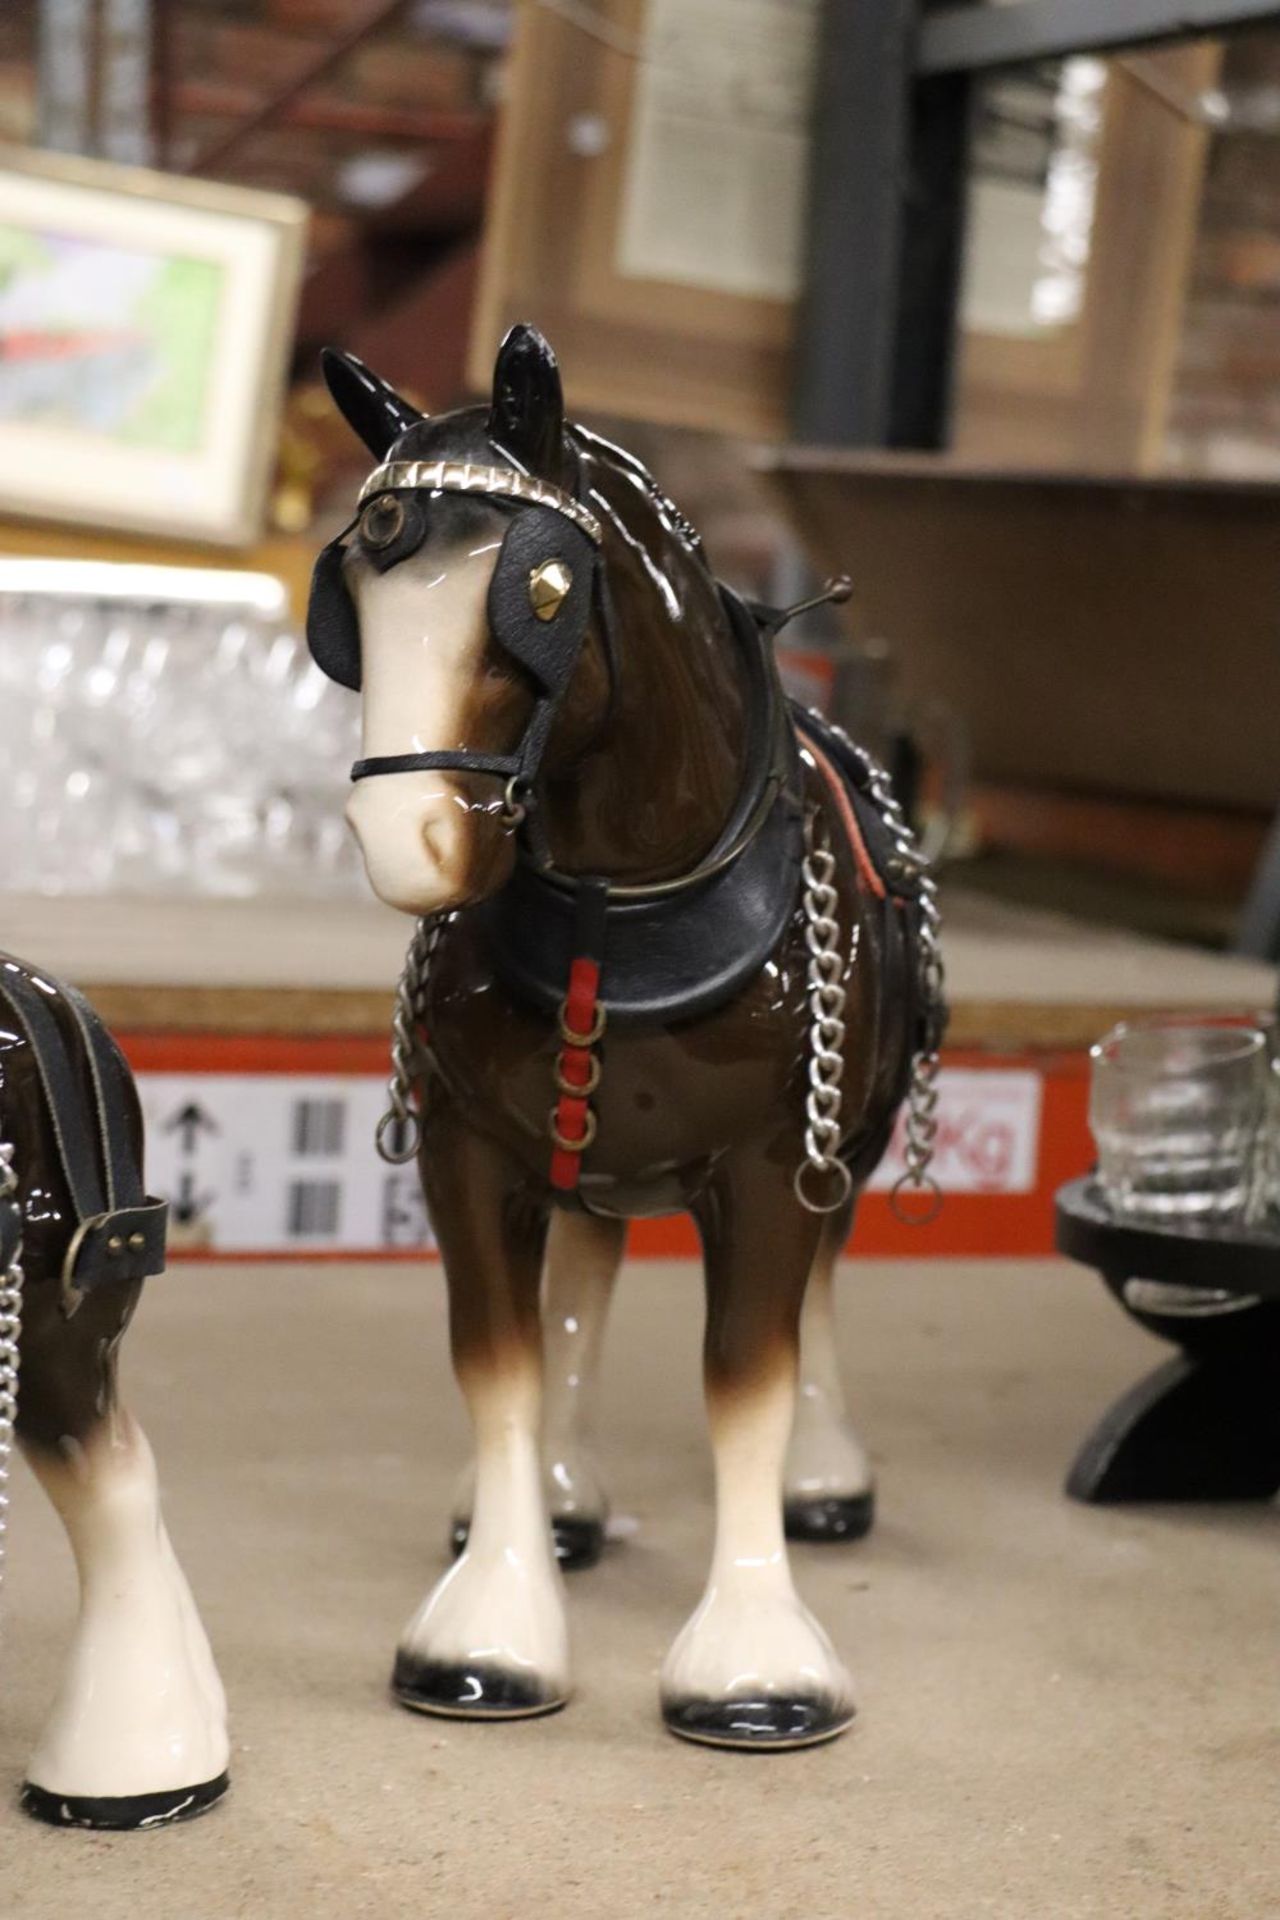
{"x": 45, "y": 1064}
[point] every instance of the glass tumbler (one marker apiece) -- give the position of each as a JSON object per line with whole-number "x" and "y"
{"x": 1178, "y": 1116}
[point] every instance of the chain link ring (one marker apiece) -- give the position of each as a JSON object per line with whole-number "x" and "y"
{"x": 515, "y": 805}
{"x": 809, "y": 1171}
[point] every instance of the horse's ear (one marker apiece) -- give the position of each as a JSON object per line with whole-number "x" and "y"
{"x": 377, "y": 412}
{"x": 527, "y": 413}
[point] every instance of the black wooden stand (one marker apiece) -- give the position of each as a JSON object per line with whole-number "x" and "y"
{"x": 1206, "y": 1425}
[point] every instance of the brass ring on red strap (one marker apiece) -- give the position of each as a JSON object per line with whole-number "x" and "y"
{"x": 572, "y": 1146}
{"x": 572, "y": 1039}
{"x": 572, "y": 1088}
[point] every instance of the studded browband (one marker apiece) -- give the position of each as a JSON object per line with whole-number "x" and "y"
{"x": 463, "y": 476}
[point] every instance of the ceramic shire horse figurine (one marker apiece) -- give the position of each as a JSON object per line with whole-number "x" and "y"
{"x": 674, "y": 953}
{"x": 137, "y": 1735}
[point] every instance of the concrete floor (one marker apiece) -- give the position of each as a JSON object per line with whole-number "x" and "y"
{"x": 1065, "y": 1712}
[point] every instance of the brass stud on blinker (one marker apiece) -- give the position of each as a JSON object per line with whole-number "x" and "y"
{"x": 137, "y": 1242}
{"x": 549, "y": 586}
{"x": 115, "y": 1244}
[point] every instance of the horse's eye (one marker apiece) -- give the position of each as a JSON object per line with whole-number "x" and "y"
{"x": 382, "y": 521}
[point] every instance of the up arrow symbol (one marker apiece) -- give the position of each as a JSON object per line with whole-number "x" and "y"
{"x": 188, "y": 1123}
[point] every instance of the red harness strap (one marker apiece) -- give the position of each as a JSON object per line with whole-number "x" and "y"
{"x": 848, "y": 819}
{"x": 582, "y": 1021}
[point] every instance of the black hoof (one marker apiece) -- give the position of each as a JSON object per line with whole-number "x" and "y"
{"x": 840, "y": 1517}
{"x": 763, "y": 1725}
{"x": 579, "y": 1543}
{"x": 129, "y": 1813}
{"x": 465, "y": 1691}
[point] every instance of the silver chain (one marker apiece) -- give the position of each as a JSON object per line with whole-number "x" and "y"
{"x": 826, "y": 996}
{"x": 10, "y": 1331}
{"x": 399, "y": 1132}
{"x": 922, "y": 1089}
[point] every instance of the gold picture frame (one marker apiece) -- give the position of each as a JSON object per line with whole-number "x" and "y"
{"x": 145, "y": 327}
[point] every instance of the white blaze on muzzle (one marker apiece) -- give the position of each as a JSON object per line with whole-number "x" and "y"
{"x": 551, "y": 537}
{"x": 424, "y": 632}
{"x": 534, "y": 605}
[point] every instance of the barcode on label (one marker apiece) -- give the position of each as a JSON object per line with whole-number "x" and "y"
{"x": 319, "y": 1126}
{"x": 312, "y": 1209}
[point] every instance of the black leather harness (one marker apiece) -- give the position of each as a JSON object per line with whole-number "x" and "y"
{"x": 119, "y": 1229}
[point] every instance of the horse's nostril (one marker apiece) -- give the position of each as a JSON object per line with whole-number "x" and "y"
{"x": 439, "y": 837}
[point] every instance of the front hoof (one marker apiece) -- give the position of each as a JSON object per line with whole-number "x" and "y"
{"x": 762, "y": 1725}
{"x": 469, "y": 1690}
{"x": 837, "y": 1517}
{"x": 579, "y": 1543}
{"x": 128, "y": 1813}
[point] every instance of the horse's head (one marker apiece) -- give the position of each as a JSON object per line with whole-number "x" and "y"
{"x": 458, "y": 601}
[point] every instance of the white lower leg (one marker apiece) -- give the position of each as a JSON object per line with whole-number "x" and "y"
{"x": 583, "y": 1255}
{"x": 141, "y": 1709}
{"x": 825, "y": 1458}
{"x": 500, "y": 1608}
{"x": 751, "y": 1637}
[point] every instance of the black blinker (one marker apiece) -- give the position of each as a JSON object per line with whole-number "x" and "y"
{"x": 548, "y": 649}
{"x": 333, "y": 631}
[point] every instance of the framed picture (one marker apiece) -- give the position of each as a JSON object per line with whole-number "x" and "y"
{"x": 1102, "y": 244}
{"x": 648, "y": 207}
{"x": 145, "y": 327}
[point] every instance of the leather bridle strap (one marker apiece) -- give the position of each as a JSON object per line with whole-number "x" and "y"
{"x": 495, "y": 483}
{"x": 503, "y": 766}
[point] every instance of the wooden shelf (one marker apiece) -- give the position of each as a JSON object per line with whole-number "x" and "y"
{"x": 1018, "y": 980}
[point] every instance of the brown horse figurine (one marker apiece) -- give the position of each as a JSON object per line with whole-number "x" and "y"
{"x": 674, "y": 953}
{"x": 137, "y": 1735}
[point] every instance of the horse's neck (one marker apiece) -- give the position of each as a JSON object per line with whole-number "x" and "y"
{"x": 651, "y": 797}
